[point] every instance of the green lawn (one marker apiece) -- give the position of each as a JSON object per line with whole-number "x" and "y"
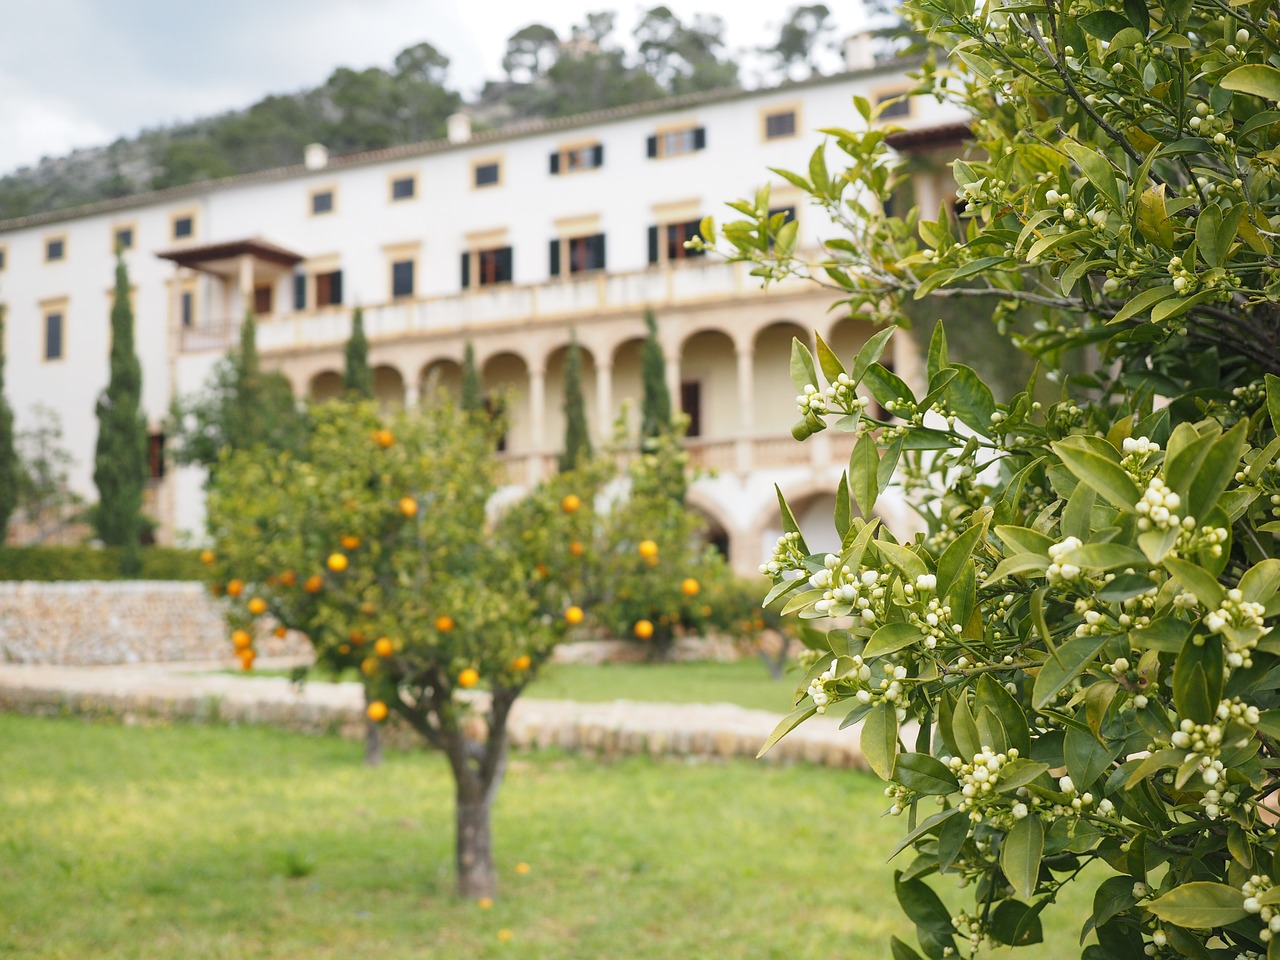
{"x": 180, "y": 842}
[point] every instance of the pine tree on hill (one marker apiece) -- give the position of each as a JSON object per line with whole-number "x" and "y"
{"x": 577, "y": 441}
{"x": 357, "y": 377}
{"x": 120, "y": 460}
{"x": 9, "y": 467}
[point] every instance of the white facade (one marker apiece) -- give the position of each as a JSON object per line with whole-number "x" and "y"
{"x": 726, "y": 340}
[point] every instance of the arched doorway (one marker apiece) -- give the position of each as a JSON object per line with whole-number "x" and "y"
{"x": 326, "y": 385}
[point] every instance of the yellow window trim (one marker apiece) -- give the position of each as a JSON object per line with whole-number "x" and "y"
{"x": 52, "y": 238}
{"x": 402, "y": 175}
{"x": 582, "y": 226}
{"x": 479, "y": 162}
{"x": 486, "y": 239}
{"x": 48, "y": 308}
{"x": 177, "y": 215}
{"x": 678, "y": 211}
{"x": 314, "y": 192}
{"x": 772, "y": 110}
{"x": 124, "y": 225}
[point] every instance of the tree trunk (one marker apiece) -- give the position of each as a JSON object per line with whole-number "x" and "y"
{"x": 372, "y": 744}
{"x": 476, "y": 875}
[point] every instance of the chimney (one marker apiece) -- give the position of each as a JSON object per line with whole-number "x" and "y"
{"x": 859, "y": 52}
{"x": 459, "y": 126}
{"x": 315, "y": 156}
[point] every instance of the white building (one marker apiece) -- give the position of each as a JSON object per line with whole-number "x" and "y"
{"x": 510, "y": 239}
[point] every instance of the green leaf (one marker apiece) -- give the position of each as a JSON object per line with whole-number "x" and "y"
{"x": 1273, "y": 399}
{"x": 1106, "y": 556}
{"x": 903, "y": 558}
{"x": 995, "y": 698}
{"x": 925, "y": 775}
{"x": 1086, "y": 757}
{"x": 1104, "y": 24}
{"x": 964, "y": 730}
{"x": 1143, "y": 303}
{"x": 831, "y": 366}
{"x": 971, "y": 399}
{"x": 891, "y": 638}
{"x": 864, "y": 465}
{"x": 789, "y": 524}
{"x": 1063, "y": 666}
{"x": 954, "y": 557}
{"x": 1096, "y": 462}
{"x": 1166, "y": 635}
{"x": 1257, "y": 79}
{"x": 1018, "y": 773}
{"x": 1197, "y": 680}
{"x": 927, "y": 826}
{"x": 888, "y": 463}
{"x": 900, "y": 951}
{"x": 1024, "y": 539}
{"x": 1200, "y": 905}
{"x": 1207, "y": 226}
{"x": 1018, "y": 563}
{"x": 937, "y": 361}
{"x": 1113, "y": 896}
{"x": 880, "y": 739}
{"x": 886, "y": 386}
{"x": 922, "y": 905}
{"x": 1020, "y": 855}
{"x": 792, "y": 720}
{"x": 1261, "y": 581}
{"x": 843, "y": 512}
{"x": 1095, "y": 166}
{"x": 1218, "y": 469}
{"x": 871, "y": 351}
{"x": 803, "y": 372}
{"x": 1198, "y": 580}
{"x": 1016, "y": 924}
{"x": 1153, "y": 217}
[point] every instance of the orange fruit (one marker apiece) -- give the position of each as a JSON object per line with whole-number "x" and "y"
{"x": 344, "y": 649}
{"x": 523, "y": 869}
{"x": 288, "y": 578}
{"x": 246, "y": 659}
{"x": 574, "y": 615}
{"x": 257, "y": 606}
{"x": 690, "y": 587}
{"x": 350, "y": 542}
{"x": 356, "y": 637}
{"x": 468, "y": 677}
{"x": 376, "y": 711}
{"x": 384, "y": 438}
{"x": 409, "y": 506}
{"x": 484, "y": 903}
{"x": 648, "y": 549}
{"x": 235, "y": 588}
{"x": 337, "y": 562}
{"x": 314, "y": 584}
{"x": 571, "y": 503}
{"x": 241, "y": 640}
{"x": 369, "y": 667}
{"x": 383, "y": 647}
{"x": 576, "y": 548}
{"x": 368, "y": 609}
{"x": 644, "y": 629}
{"x": 206, "y": 556}
{"x": 444, "y": 623}
{"x": 281, "y": 631}
{"x": 542, "y": 569}
{"x": 522, "y": 662}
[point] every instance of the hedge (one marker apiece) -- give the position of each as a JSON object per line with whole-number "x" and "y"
{"x": 91, "y": 563}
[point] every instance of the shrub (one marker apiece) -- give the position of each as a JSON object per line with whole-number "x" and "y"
{"x": 92, "y": 563}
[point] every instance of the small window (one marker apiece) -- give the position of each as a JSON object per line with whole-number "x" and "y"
{"x": 402, "y": 279}
{"x": 574, "y": 159}
{"x": 488, "y": 174}
{"x": 491, "y": 266}
{"x": 580, "y": 253}
{"x": 329, "y": 289}
{"x": 187, "y": 308}
{"x": 123, "y": 239}
{"x": 673, "y": 143}
{"x": 322, "y": 202}
{"x": 691, "y": 406}
{"x": 263, "y": 299}
{"x": 667, "y": 241}
{"x": 299, "y": 291}
{"x": 155, "y": 456}
{"x": 53, "y": 335}
{"x": 894, "y": 104}
{"x": 183, "y": 227}
{"x": 780, "y": 124}
{"x": 404, "y": 188}
{"x": 55, "y": 249}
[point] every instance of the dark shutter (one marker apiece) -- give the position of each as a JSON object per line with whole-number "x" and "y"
{"x": 299, "y": 291}
{"x": 555, "y": 164}
{"x": 597, "y": 155}
{"x": 595, "y": 252}
{"x": 555, "y": 258}
{"x": 335, "y": 287}
{"x": 653, "y": 147}
{"x": 504, "y": 265}
{"x": 466, "y": 270}
{"x": 653, "y": 244}
{"x": 700, "y": 138}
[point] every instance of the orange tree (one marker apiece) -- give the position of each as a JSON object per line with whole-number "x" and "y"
{"x": 374, "y": 541}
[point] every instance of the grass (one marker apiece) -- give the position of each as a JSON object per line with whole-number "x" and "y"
{"x": 209, "y": 842}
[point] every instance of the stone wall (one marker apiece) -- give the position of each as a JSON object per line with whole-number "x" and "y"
{"x": 93, "y": 623}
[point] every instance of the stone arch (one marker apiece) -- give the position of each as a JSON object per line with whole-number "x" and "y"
{"x": 708, "y": 384}
{"x": 813, "y": 505}
{"x": 773, "y": 396}
{"x": 388, "y": 387}
{"x": 325, "y": 385}
{"x": 716, "y": 530}
{"x": 442, "y": 375}
{"x": 504, "y": 379}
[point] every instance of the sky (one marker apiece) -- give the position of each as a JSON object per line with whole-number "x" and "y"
{"x": 78, "y": 73}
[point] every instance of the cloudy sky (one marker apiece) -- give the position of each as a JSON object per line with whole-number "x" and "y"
{"x": 83, "y": 72}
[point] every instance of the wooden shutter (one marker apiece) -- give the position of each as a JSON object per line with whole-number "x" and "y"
{"x": 555, "y": 164}
{"x": 504, "y": 265}
{"x": 595, "y": 252}
{"x": 466, "y": 270}
{"x": 597, "y": 155}
{"x": 335, "y": 287}
{"x": 653, "y": 244}
{"x": 299, "y": 291}
{"x": 555, "y": 258}
{"x": 700, "y": 138}
{"x": 653, "y": 146}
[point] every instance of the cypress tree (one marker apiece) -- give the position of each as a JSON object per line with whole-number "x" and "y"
{"x": 472, "y": 396}
{"x": 9, "y": 467}
{"x": 655, "y": 406}
{"x": 577, "y": 442}
{"x": 120, "y": 460}
{"x": 358, "y": 378}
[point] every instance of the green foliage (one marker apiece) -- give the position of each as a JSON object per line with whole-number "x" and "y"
{"x": 241, "y": 407}
{"x": 684, "y": 58}
{"x": 655, "y": 400}
{"x": 120, "y": 457}
{"x": 472, "y": 395}
{"x": 800, "y": 36}
{"x": 357, "y": 378}
{"x": 1084, "y": 629}
{"x": 577, "y": 440}
{"x": 91, "y": 563}
{"x": 10, "y": 468}
{"x": 43, "y": 494}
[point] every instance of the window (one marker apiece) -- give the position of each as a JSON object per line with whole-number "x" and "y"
{"x": 322, "y": 201}
{"x": 263, "y": 299}
{"x": 402, "y": 278}
{"x": 53, "y": 330}
{"x": 184, "y": 226}
{"x": 299, "y": 291}
{"x": 4, "y": 257}
{"x": 155, "y": 456}
{"x": 691, "y": 406}
{"x": 578, "y": 253}
{"x": 490, "y": 267}
{"x": 667, "y": 241}
{"x": 672, "y": 143}
{"x": 187, "y": 308}
{"x": 780, "y": 124}
{"x": 788, "y": 215}
{"x": 55, "y": 248}
{"x": 890, "y": 106}
{"x": 487, "y": 174}
{"x": 404, "y": 188}
{"x": 573, "y": 159}
{"x": 122, "y": 238}
{"x": 329, "y": 289}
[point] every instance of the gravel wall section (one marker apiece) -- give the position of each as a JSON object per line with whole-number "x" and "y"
{"x": 94, "y": 623}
